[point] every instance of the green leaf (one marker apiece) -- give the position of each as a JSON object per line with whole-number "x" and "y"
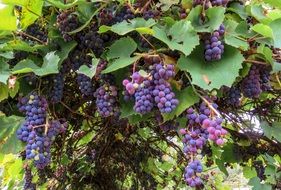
{"x": 181, "y": 36}
{"x": 214, "y": 18}
{"x": 66, "y": 47}
{"x": 9, "y": 142}
{"x": 166, "y": 4}
{"x": 4, "y": 71}
{"x": 263, "y": 29}
{"x": 186, "y": 98}
{"x": 249, "y": 172}
{"x": 24, "y": 66}
{"x": 257, "y": 185}
{"x": 7, "y": 18}
{"x": 212, "y": 75}
{"x": 87, "y": 138}
{"x": 89, "y": 71}
{"x": 232, "y": 38}
{"x": 30, "y": 12}
{"x": 63, "y": 6}
{"x": 119, "y": 54}
{"x": 50, "y": 65}
{"x": 13, "y": 91}
{"x": 239, "y": 9}
{"x": 257, "y": 12}
{"x": 18, "y": 45}
{"x": 138, "y": 24}
{"x": 274, "y": 3}
{"x": 127, "y": 109}
{"x": 7, "y": 55}
{"x": 273, "y": 131}
{"x": 4, "y": 91}
{"x": 276, "y": 30}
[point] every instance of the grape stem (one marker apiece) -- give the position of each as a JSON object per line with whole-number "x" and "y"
{"x": 72, "y": 111}
{"x": 204, "y": 99}
{"x": 278, "y": 80}
{"x": 255, "y": 62}
{"x": 32, "y": 37}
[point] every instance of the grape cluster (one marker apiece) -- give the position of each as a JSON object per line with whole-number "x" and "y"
{"x": 39, "y": 144}
{"x": 67, "y": 22}
{"x": 91, "y": 40}
{"x": 106, "y": 100}
{"x": 36, "y": 31}
{"x": 202, "y": 126}
{"x": 85, "y": 85}
{"x": 233, "y": 96}
{"x": 192, "y": 171}
{"x": 214, "y": 47}
{"x": 32, "y": 131}
{"x": 250, "y": 85}
{"x": 28, "y": 185}
{"x": 57, "y": 90}
{"x": 100, "y": 67}
{"x": 163, "y": 95}
{"x": 264, "y": 77}
{"x": 106, "y": 17}
{"x": 143, "y": 97}
{"x": 124, "y": 14}
{"x": 219, "y": 2}
{"x": 210, "y": 3}
{"x": 153, "y": 89}
{"x": 151, "y": 14}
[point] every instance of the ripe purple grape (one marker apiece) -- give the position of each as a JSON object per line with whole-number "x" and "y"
{"x": 67, "y": 22}
{"x": 57, "y": 91}
{"x": 143, "y": 98}
{"x": 85, "y": 85}
{"x": 250, "y": 85}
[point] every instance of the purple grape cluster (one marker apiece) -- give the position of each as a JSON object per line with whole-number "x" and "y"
{"x": 56, "y": 93}
{"x": 28, "y": 185}
{"x": 143, "y": 97}
{"x": 233, "y": 97}
{"x": 214, "y": 47}
{"x": 264, "y": 77}
{"x": 106, "y": 17}
{"x": 202, "y": 126}
{"x": 148, "y": 14}
{"x": 100, "y": 67}
{"x": 39, "y": 144}
{"x": 67, "y": 22}
{"x": 222, "y": 3}
{"x": 36, "y": 31}
{"x": 191, "y": 174}
{"x": 91, "y": 40}
{"x": 124, "y": 14}
{"x": 251, "y": 86}
{"x": 33, "y": 129}
{"x": 210, "y": 3}
{"x": 85, "y": 85}
{"x": 164, "y": 97}
{"x": 106, "y": 100}
{"x": 153, "y": 89}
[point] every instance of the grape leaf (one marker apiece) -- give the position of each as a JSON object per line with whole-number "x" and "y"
{"x": 274, "y": 3}
{"x": 215, "y": 17}
{"x": 186, "y": 98}
{"x": 138, "y": 24}
{"x": 119, "y": 54}
{"x": 7, "y": 18}
{"x": 49, "y": 66}
{"x": 257, "y": 185}
{"x": 166, "y": 4}
{"x": 212, "y": 75}
{"x": 263, "y": 29}
{"x": 30, "y": 12}
{"x": 181, "y": 36}
{"x": 273, "y": 131}
{"x": 249, "y": 172}
{"x": 276, "y": 30}
{"x": 4, "y": 71}
{"x": 4, "y": 91}
{"x": 66, "y": 48}
{"x": 257, "y": 12}
{"x": 64, "y": 6}
{"x": 89, "y": 71}
{"x": 9, "y": 142}
{"x": 239, "y": 9}
{"x": 232, "y": 38}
